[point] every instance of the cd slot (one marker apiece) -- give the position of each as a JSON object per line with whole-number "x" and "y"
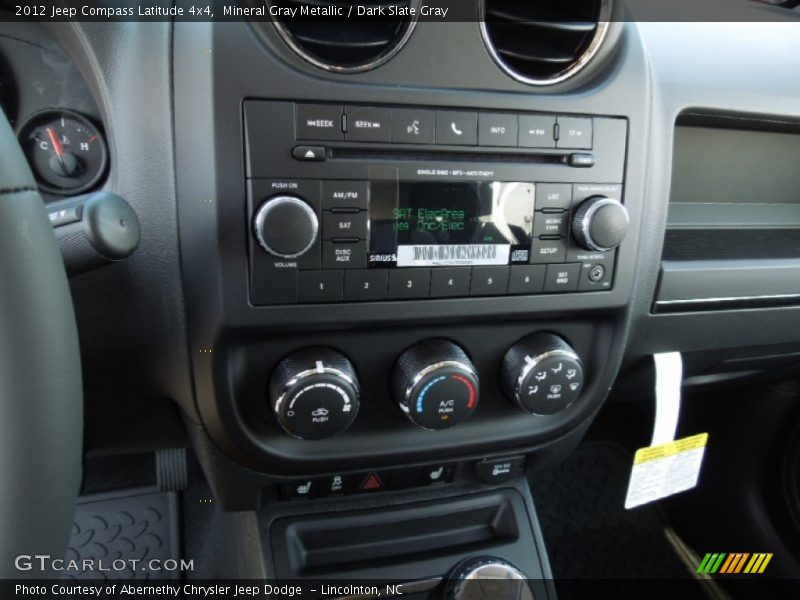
{"x": 444, "y": 155}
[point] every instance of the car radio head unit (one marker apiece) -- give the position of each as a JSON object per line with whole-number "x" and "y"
{"x": 348, "y": 204}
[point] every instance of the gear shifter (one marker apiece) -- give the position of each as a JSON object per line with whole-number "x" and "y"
{"x": 486, "y": 577}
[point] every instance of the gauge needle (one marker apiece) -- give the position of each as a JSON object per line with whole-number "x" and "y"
{"x": 57, "y": 147}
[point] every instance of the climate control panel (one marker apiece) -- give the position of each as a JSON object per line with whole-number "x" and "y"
{"x": 315, "y": 392}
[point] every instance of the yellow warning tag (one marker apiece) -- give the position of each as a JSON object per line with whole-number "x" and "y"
{"x": 666, "y": 469}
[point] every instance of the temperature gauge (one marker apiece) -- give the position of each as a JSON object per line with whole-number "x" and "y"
{"x": 66, "y": 152}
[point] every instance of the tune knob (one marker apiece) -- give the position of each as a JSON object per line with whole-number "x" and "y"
{"x": 314, "y": 393}
{"x": 286, "y": 226}
{"x": 486, "y": 577}
{"x": 600, "y": 223}
{"x": 435, "y": 384}
{"x": 542, "y": 374}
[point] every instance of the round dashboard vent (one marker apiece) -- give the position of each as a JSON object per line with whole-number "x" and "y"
{"x": 335, "y": 37}
{"x": 543, "y": 42}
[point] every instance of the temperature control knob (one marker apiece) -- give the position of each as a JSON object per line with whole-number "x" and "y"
{"x": 314, "y": 393}
{"x": 286, "y": 226}
{"x": 435, "y": 384}
{"x": 542, "y": 374}
{"x": 600, "y": 223}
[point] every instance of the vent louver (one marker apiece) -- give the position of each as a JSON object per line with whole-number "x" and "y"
{"x": 348, "y": 43}
{"x": 543, "y": 42}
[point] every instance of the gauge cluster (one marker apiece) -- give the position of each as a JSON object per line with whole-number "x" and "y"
{"x": 66, "y": 151}
{"x": 57, "y": 124}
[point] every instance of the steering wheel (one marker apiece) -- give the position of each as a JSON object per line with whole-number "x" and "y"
{"x": 41, "y": 398}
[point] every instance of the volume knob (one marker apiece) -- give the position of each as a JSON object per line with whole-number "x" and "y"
{"x": 600, "y": 224}
{"x": 286, "y": 226}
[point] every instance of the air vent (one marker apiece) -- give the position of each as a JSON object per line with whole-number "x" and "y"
{"x": 341, "y": 40}
{"x": 543, "y": 42}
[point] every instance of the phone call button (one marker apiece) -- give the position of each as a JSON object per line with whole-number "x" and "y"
{"x": 457, "y": 128}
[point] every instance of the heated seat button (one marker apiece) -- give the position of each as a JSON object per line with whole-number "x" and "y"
{"x": 320, "y": 286}
{"x": 344, "y": 225}
{"x": 500, "y": 470}
{"x": 435, "y": 474}
{"x": 363, "y": 285}
{"x": 318, "y": 122}
{"x": 366, "y": 124}
{"x": 298, "y": 489}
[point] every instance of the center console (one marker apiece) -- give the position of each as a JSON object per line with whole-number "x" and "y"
{"x": 394, "y": 290}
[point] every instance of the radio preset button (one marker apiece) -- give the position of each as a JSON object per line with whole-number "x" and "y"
{"x": 497, "y": 130}
{"x": 489, "y": 281}
{"x": 553, "y": 195}
{"x": 366, "y": 124}
{"x": 409, "y": 283}
{"x": 537, "y": 131}
{"x": 344, "y": 255}
{"x": 318, "y": 122}
{"x": 456, "y": 128}
{"x": 551, "y": 224}
{"x": 344, "y": 225}
{"x": 548, "y": 251}
{"x": 410, "y": 126}
{"x": 562, "y": 278}
{"x": 320, "y": 286}
{"x": 344, "y": 194}
{"x": 366, "y": 284}
{"x": 574, "y": 132}
{"x": 450, "y": 282}
{"x": 526, "y": 279}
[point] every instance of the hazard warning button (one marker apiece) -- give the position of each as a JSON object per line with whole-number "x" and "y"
{"x": 372, "y": 482}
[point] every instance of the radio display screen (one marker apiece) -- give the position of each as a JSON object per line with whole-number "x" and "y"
{"x": 438, "y": 223}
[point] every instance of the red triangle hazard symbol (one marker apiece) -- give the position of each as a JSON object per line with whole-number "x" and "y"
{"x": 372, "y": 483}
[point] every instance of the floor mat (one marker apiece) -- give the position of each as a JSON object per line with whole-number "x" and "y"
{"x": 588, "y": 532}
{"x": 139, "y": 527}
